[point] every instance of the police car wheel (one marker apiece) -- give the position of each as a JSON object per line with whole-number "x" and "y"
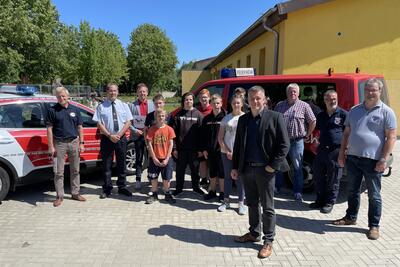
{"x": 4, "y": 183}
{"x": 130, "y": 159}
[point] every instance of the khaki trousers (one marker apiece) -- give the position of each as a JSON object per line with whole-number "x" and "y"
{"x": 72, "y": 150}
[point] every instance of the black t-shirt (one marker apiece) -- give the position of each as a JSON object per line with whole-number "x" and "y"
{"x": 331, "y": 127}
{"x": 65, "y": 121}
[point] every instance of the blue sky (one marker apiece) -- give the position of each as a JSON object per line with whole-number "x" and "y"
{"x": 199, "y": 30}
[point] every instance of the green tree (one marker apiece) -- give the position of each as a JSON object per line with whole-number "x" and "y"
{"x": 68, "y": 39}
{"x": 151, "y": 57}
{"x": 27, "y": 36}
{"x": 102, "y": 57}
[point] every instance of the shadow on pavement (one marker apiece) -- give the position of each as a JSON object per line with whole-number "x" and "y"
{"x": 199, "y": 236}
{"x": 194, "y": 202}
{"x": 314, "y": 226}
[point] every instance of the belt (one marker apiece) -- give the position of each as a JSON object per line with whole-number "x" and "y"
{"x": 66, "y": 140}
{"x": 296, "y": 139}
{"x": 255, "y": 164}
{"x": 333, "y": 147}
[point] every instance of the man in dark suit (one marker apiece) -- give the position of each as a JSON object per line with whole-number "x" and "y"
{"x": 260, "y": 149}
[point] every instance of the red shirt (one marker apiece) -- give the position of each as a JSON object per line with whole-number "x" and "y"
{"x": 204, "y": 111}
{"x": 143, "y": 107}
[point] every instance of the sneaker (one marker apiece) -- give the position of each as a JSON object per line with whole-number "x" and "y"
{"x": 242, "y": 209}
{"x": 152, "y": 198}
{"x": 210, "y": 195}
{"x": 198, "y": 190}
{"x": 298, "y": 197}
{"x": 223, "y": 207}
{"x": 138, "y": 185}
{"x": 170, "y": 198}
{"x": 327, "y": 208}
{"x": 204, "y": 182}
{"x": 315, "y": 205}
{"x": 373, "y": 233}
{"x": 221, "y": 197}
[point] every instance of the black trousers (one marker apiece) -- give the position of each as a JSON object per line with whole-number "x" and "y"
{"x": 139, "y": 150}
{"x": 259, "y": 190}
{"x": 107, "y": 149}
{"x": 327, "y": 175}
{"x": 186, "y": 157}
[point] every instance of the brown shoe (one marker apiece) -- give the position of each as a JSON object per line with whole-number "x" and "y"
{"x": 345, "y": 221}
{"x": 57, "y": 202}
{"x": 246, "y": 238}
{"x": 265, "y": 251}
{"x": 373, "y": 233}
{"x": 78, "y": 197}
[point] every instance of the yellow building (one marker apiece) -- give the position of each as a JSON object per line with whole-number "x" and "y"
{"x": 311, "y": 36}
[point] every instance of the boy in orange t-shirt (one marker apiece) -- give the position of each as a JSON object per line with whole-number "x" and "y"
{"x": 160, "y": 142}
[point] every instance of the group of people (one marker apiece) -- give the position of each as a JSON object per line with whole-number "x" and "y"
{"x": 249, "y": 148}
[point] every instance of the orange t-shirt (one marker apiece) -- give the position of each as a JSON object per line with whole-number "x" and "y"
{"x": 160, "y": 139}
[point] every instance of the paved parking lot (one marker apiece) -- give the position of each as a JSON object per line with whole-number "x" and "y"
{"x": 126, "y": 232}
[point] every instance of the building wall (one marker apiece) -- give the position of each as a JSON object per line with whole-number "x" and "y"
{"x": 191, "y": 79}
{"x": 341, "y": 34}
{"x": 344, "y": 35}
{"x": 253, "y": 49}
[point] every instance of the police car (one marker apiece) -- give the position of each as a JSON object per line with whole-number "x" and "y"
{"x": 24, "y": 157}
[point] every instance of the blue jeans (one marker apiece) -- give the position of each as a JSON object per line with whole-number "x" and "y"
{"x": 357, "y": 167}
{"x": 228, "y": 179}
{"x": 296, "y": 157}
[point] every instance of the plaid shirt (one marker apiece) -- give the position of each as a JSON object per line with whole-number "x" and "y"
{"x": 297, "y": 117}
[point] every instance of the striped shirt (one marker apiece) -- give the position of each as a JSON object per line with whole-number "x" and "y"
{"x": 297, "y": 117}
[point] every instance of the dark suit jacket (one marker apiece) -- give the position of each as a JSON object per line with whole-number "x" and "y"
{"x": 274, "y": 141}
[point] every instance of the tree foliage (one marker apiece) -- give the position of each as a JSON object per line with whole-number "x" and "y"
{"x": 27, "y": 35}
{"x": 102, "y": 57}
{"x": 35, "y": 47}
{"x": 68, "y": 38}
{"x": 152, "y": 58}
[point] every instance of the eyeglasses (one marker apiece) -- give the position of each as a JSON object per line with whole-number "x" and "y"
{"x": 371, "y": 90}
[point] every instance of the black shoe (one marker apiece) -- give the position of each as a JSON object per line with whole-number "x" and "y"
{"x": 204, "y": 182}
{"x": 152, "y": 198}
{"x": 198, "y": 190}
{"x": 221, "y": 197}
{"x": 170, "y": 198}
{"x": 210, "y": 195}
{"x": 124, "y": 191}
{"x": 327, "y": 208}
{"x": 104, "y": 195}
{"x": 315, "y": 205}
{"x": 177, "y": 192}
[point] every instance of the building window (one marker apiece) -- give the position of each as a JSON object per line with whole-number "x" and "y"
{"x": 261, "y": 65}
{"x": 238, "y": 63}
{"x": 248, "y": 61}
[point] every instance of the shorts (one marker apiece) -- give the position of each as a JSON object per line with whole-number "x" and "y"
{"x": 166, "y": 172}
{"x": 215, "y": 165}
{"x": 201, "y": 159}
